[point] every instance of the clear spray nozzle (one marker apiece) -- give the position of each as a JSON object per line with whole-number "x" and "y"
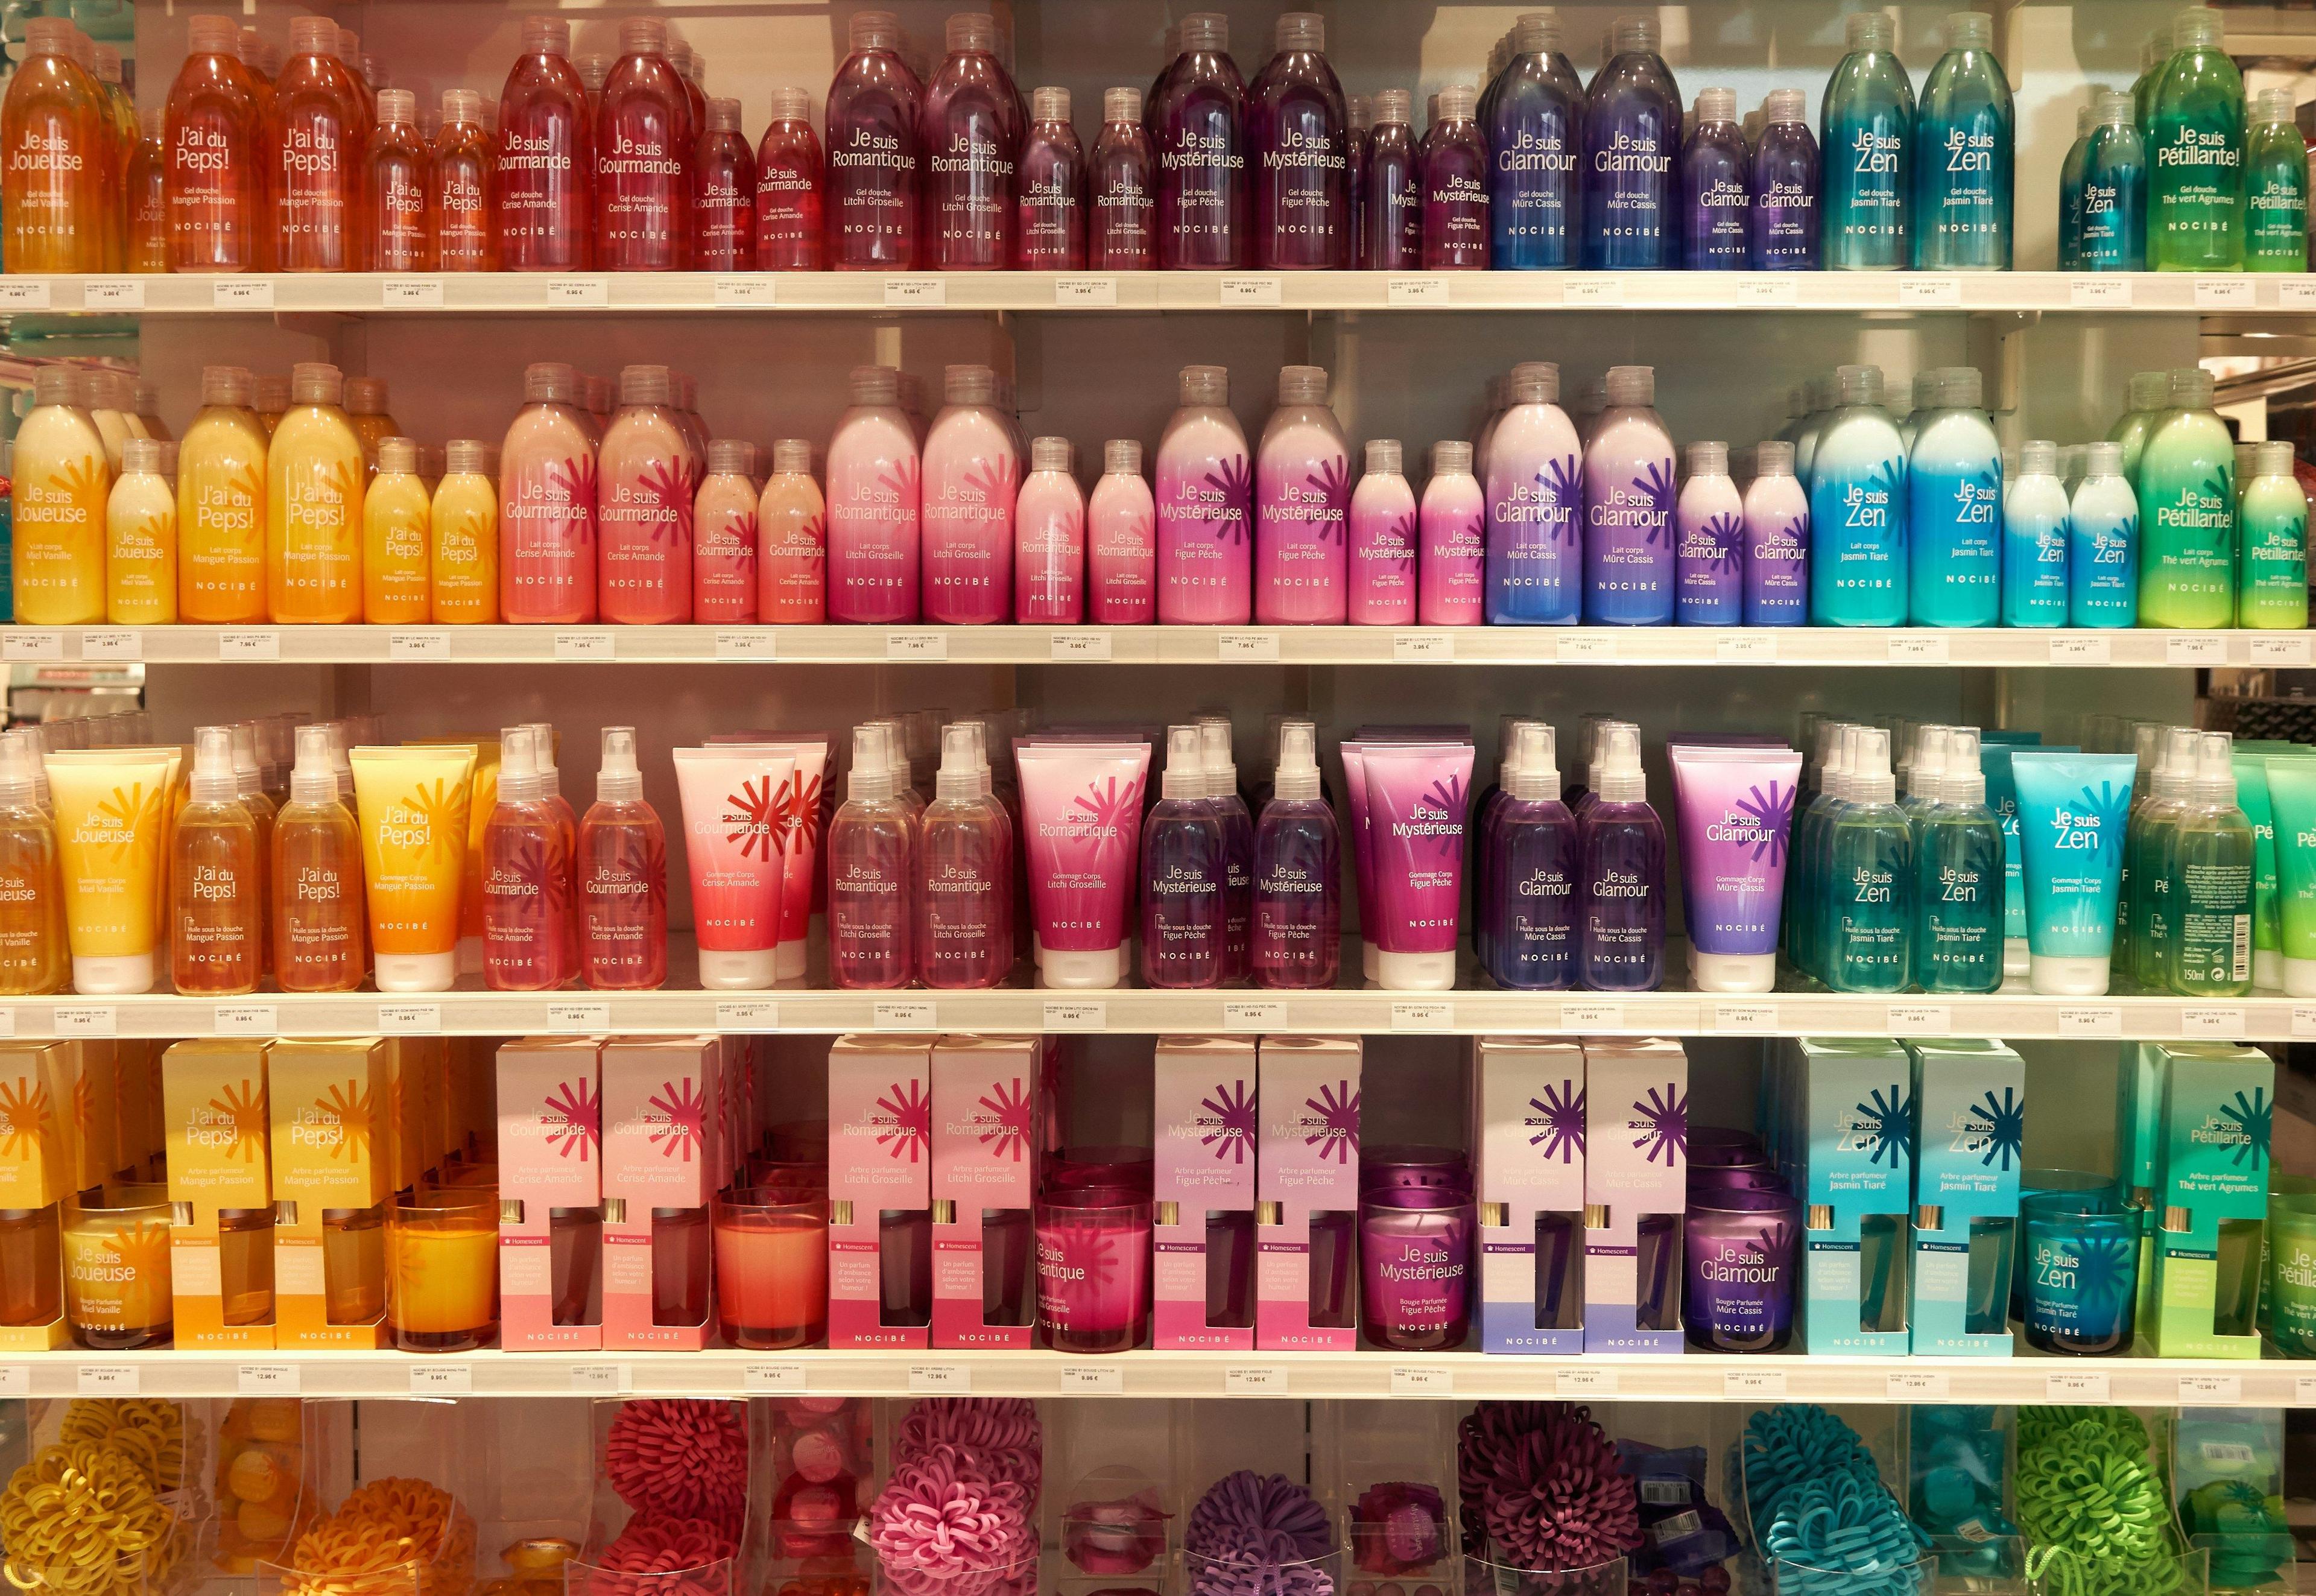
{"x": 961, "y": 762}
{"x": 1965, "y": 782}
{"x": 2215, "y": 769}
{"x": 871, "y": 776}
{"x": 518, "y": 765}
{"x": 1870, "y": 779}
{"x": 1621, "y": 781}
{"x": 1186, "y": 763}
{"x": 619, "y": 780}
{"x": 19, "y": 771}
{"x": 1931, "y": 748}
{"x": 1297, "y": 774}
{"x": 213, "y": 780}
{"x": 2175, "y": 771}
{"x": 314, "y": 780}
{"x": 1215, "y": 749}
{"x": 1534, "y": 766}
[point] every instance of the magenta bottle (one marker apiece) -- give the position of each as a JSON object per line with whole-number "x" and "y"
{"x": 1197, "y": 118}
{"x": 1452, "y": 555}
{"x": 1121, "y": 541}
{"x": 870, "y": 126}
{"x": 971, "y": 475}
{"x": 526, "y": 873}
{"x": 622, "y": 873}
{"x": 1205, "y": 508}
{"x": 872, "y": 869}
{"x": 1049, "y": 230}
{"x": 546, "y": 156}
{"x": 1122, "y": 232}
{"x": 1382, "y": 573}
{"x": 643, "y": 509}
{"x": 1391, "y": 217}
{"x": 873, "y": 505}
{"x": 547, "y": 503}
{"x": 724, "y": 540}
{"x": 1299, "y": 133}
{"x": 644, "y": 136}
{"x": 1215, "y": 738}
{"x": 724, "y": 194}
{"x": 1049, "y": 539}
{"x": 787, "y": 187}
{"x": 1297, "y": 873}
{"x": 1361, "y": 113}
{"x": 965, "y": 864}
{"x": 1302, "y": 487}
{"x": 1182, "y": 880}
{"x": 970, "y": 131}
{"x": 1456, "y": 229}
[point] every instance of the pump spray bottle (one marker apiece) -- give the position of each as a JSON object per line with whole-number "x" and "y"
{"x": 1958, "y": 875}
{"x": 965, "y": 931}
{"x": 1297, "y": 902}
{"x": 1529, "y": 869}
{"x": 1182, "y": 873}
{"x": 2151, "y": 861}
{"x": 1621, "y": 854}
{"x": 872, "y": 849}
{"x": 622, "y": 877}
{"x": 1238, "y": 844}
{"x": 2208, "y": 893}
{"x": 32, "y": 957}
{"x": 526, "y": 876}
{"x": 319, "y": 921}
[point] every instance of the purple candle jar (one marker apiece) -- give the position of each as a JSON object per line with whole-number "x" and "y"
{"x": 1094, "y": 1268}
{"x": 1714, "y": 1146}
{"x": 1415, "y": 1267}
{"x": 1400, "y": 1166}
{"x": 1740, "y": 1248}
{"x": 1735, "y": 1179}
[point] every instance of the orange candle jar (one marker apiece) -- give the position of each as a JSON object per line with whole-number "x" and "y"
{"x": 771, "y": 1269}
{"x": 117, "y": 1272}
{"x": 442, "y": 1277}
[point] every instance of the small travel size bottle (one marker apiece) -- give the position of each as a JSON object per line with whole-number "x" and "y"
{"x": 461, "y": 187}
{"x": 546, "y": 167}
{"x": 1959, "y": 887}
{"x": 1858, "y": 480}
{"x": 526, "y": 872}
{"x": 1122, "y": 233}
{"x": 1205, "y": 150}
{"x": 1865, "y": 136}
{"x": 2272, "y": 577}
{"x": 1302, "y": 495}
{"x": 2103, "y": 543}
{"x": 1964, "y": 154}
{"x": 317, "y": 876}
{"x": 792, "y": 531}
{"x": 1049, "y": 539}
{"x": 54, "y": 123}
{"x": 1709, "y": 542}
{"x": 1299, "y": 128}
{"x": 1391, "y": 210}
{"x": 964, "y": 871}
{"x": 398, "y": 539}
{"x": 2114, "y": 190}
{"x": 547, "y": 503}
{"x": 1121, "y": 550}
{"x": 1621, "y": 875}
{"x": 1777, "y": 539}
{"x": 319, "y": 130}
{"x": 623, "y": 874}
{"x": 366, "y": 412}
{"x": 1529, "y": 872}
{"x": 972, "y": 126}
{"x": 214, "y": 153}
{"x": 33, "y": 957}
{"x": 1297, "y": 899}
{"x": 1870, "y": 908}
{"x": 216, "y": 901}
{"x": 724, "y": 539}
{"x": 789, "y": 169}
{"x": 1049, "y": 224}
{"x": 2034, "y": 540}
{"x": 724, "y": 194}
{"x": 141, "y": 527}
{"x": 1713, "y": 187}
{"x": 643, "y": 140}
{"x": 1381, "y": 588}
{"x": 1451, "y": 551}
{"x": 1181, "y": 878}
{"x": 1785, "y": 181}
{"x": 644, "y": 487}
{"x": 874, "y": 504}
{"x": 872, "y": 845}
{"x": 2276, "y": 187}
{"x": 872, "y": 128}
{"x": 2208, "y": 886}
{"x": 465, "y": 520}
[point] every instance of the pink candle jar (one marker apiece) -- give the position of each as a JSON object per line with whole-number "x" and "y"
{"x": 1094, "y": 1268}
{"x": 771, "y": 1269}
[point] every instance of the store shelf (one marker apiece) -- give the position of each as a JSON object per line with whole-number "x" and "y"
{"x": 658, "y": 294}
{"x": 1152, "y": 645}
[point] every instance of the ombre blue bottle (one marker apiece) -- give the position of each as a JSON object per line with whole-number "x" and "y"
{"x": 1632, "y": 137}
{"x": 1869, "y": 880}
{"x": 2114, "y": 190}
{"x": 1786, "y": 175}
{"x": 2103, "y": 543}
{"x": 2034, "y": 540}
{"x": 1621, "y": 876}
{"x": 1857, "y": 510}
{"x": 1531, "y": 865}
{"x": 1964, "y": 154}
{"x": 1533, "y": 115}
{"x": 1715, "y": 187}
{"x": 1958, "y": 884}
{"x": 1954, "y": 508}
{"x": 1865, "y": 129}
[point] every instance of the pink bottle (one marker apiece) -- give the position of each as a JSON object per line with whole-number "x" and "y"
{"x": 1049, "y": 521}
{"x": 1049, "y": 227}
{"x": 872, "y": 869}
{"x": 964, "y": 897}
{"x": 871, "y": 123}
{"x": 1205, "y": 508}
{"x": 1122, "y": 230}
{"x": 1121, "y": 541}
{"x": 623, "y": 874}
{"x": 972, "y": 472}
{"x": 643, "y": 509}
{"x": 788, "y": 188}
{"x": 792, "y": 540}
{"x": 873, "y": 505}
{"x": 1302, "y": 487}
{"x": 526, "y": 871}
{"x": 684, "y": 396}
{"x": 1383, "y": 541}
{"x": 547, "y": 503}
{"x": 724, "y": 194}
{"x": 971, "y": 131}
{"x": 644, "y": 136}
{"x": 1452, "y": 557}
{"x": 724, "y": 581}
{"x": 546, "y": 156}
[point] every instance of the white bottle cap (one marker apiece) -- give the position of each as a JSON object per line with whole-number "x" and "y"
{"x": 1929, "y": 765}
{"x": 1532, "y": 762}
{"x": 1732, "y": 972}
{"x": 2215, "y": 771}
{"x": 750, "y": 971}
{"x": 417, "y": 972}
{"x": 1083, "y": 969}
{"x": 2038, "y": 457}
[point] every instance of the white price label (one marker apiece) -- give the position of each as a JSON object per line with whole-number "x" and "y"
{"x": 1747, "y": 1019}
{"x": 1746, "y": 648}
{"x": 1244, "y": 291}
{"x": 1423, "y": 647}
{"x": 112, "y": 645}
{"x": 902, "y": 1013}
{"x": 1768, "y": 1384}
{"x": 1247, "y": 648}
{"x": 1912, "y": 649}
{"x": 2090, "y": 1019}
{"x": 268, "y": 1379}
{"x": 743, "y": 293}
{"x": 2088, "y": 1386}
{"x": 1919, "y": 1020}
{"x": 409, "y": 1020}
{"x": 1092, "y": 1379}
{"x": 1266, "y": 1016}
{"x": 15, "y": 1379}
{"x": 2089, "y": 649}
{"x": 1413, "y": 1380}
{"x": 756, "y": 643}
{"x": 1583, "y": 1382}
{"x": 44, "y": 644}
{"x": 922, "y": 648}
{"x": 1591, "y": 1016}
{"x": 1916, "y": 1386}
{"x": 579, "y": 1019}
{"x": 915, "y": 293}
{"x": 600, "y": 1379}
{"x": 585, "y": 647}
{"x": 1073, "y": 1013}
{"x": 2099, "y": 293}
{"x": 417, "y": 646}
{"x": 411, "y": 293}
{"x": 1086, "y": 648}
{"x": 1085, "y": 293}
{"x": 2303, "y": 1019}
{"x": 1916, "y": 291}
{"x": 107, "y": 1380}
{"x": 1262, "y": 1379}
{"x": 772, "y": 1380}
{"x": 1768, "y": 289}
{"x": 2303, "y": 1390}
{"x": 2295, "y": 293}
{"x": 86, "y": 1020}
{"x": 575, "y": 293}
{"x": 2222, "y": 1024}
{"x": 940, "y": 1379}
{"x": 2207, "y": 1389}
{"x": 1593, "y": 291}
{"x": 23, "y": 293}
{"x": 1423, "y": 1014}
{"x": 1415, "y": 291}
{"x": 747, "y": 1014}
{"x": 246, "y": 1020}
{"x": 242, "y": 293}
{"x": 2289, "y": 649}
{"x": 113, "y": 293}
{"x": 1575, "y": 650}
{"x": 2195, "y": 648}
{"x": 247, "y": 647}
{"x": 441, "y": 1380}
{"x": 2225, "y": 293}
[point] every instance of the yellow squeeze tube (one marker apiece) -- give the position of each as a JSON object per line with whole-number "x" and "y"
{"x": 413, "y": 806}
{"x": 112, "y": 813}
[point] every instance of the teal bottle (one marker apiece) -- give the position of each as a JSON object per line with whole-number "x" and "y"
{"x": 2143, "y": 401}
{"x": 1954, "y": 508}
{"x": 2071, "y": 193}
{"x": 1920, "y": 773}
{"x": 1857, "y": 510}
{"x": 2034, "y": 533}
{"x": 2194, "y": 153}
{"x": 1865, "y": 133}
{"x": 1958, "y": 879}
{"x": 1802, "y": 895}
{"x": 1870, "y": 878}
{"x": 2114, "y": 190}
{"x": 2276, "y": 187}
{"x": 1964, "y": 154}
{"x": 2272, "y": 572}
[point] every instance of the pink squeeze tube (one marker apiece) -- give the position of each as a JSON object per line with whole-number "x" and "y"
{"x": 550, "y": 1156}
{"x": 660, "y": 1161}
{"x": 1635, "y": 1168}
{"x": 1306, "y": 1184}
{"x": 879, "y": 1192}
{"x": 1418, "y": 801}
{"x": 984, "y": 1176}
{"x": 737, "y": 806}
{"x": 1081, "y": 829}
{"x": 972, "y": 472}
{"x": 1528, "y": 1102}
{"x": 1206, "y": 1137}
{"x": 800, "y": 844}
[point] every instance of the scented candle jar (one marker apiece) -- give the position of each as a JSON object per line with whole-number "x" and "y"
{"x": 1094, "y": 1268}
{"x": 1740, "y": 1247}
{"x": 1713, "y": 1146}
{"x": 2291, "y": 1273}
{"x": 1403, "y": 1165}
{"x": 771, "y": 1267}
{"x": 2031, "y": 1182}
{"x": 2083, "y": 1271}
{"x": 443, "y": 1283}
{"x": 1415, "y": 1267}
{"x": 116, "y": 1252}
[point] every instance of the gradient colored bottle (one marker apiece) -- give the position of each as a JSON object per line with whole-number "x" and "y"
{"x": 2103, "y": 544}
{"x": 1534, "y": 490}
{"x": 971, "y": 128}
{"x": 622, "y": 875}
{"x": 1181, "y": 874}
{"x": 2272, "y": 582}
{"x": 461, "y": 194}
{"x": 1870, "y": 910}
{"x": 145, "y": 196}
{"x": 2194, "y": 132}
{"x": 1302, "y": 493}
{"x": 789, "y": 177}
{"x": 1197, "y": 116}
{"x": 214, "y": 155}
{"x": 2145, "y": 397}
{"x": 1531, "y": 115}
{"x": 398, "y": 539}
{"x": 1964, "y": 156}
{"x": 872, "y": 867}
{"x": 1529, "y": 867}
{"x": 1620, "y": 875}
{"x": 1451, "y": 547}
{"x": 545, "y": 158}
{"x": 221, "y": 506}
{"x": 1631, "y": 136}
{"x": 1049, "y": 539}
{"x": 1205, "y": 508}
{"x": 1709, "y": 542}
{"x": 54, "y": 124}
{"x": 313, "y": 484}
{"x": 643, "y": 510}
{"x": 320, "y": 129}
{"x": 526, "y": 876}
{"x": 216, "y": 902}
{"x": 870, "y": 206}
{"x": 2276, "y": 187}
{"x": 1121, "y": 541}
{"x": 724, "y": 194}
{"x": 1786, "y": 179}
{"x": 1629, "y": 476}
{"x": 2114, "y": 190}
{"x": 1298, "y": 897}
{"x": 873, "y": 505}
{"x": 971, "y": 475}
{"x": 1382, "y": 523}
{"x": 792, "y": 526}
{"x": 1214, "y": 739}
{"x": 1298, "y": 132}
{"x": 643, "y": 140}
{"x": 965, "y": 863}
{"x": 140, "y": 528}
{"x": 2034, "y": 540}
{"x": 60, "y": 487}
{"x": 1049, "y": 224}
{"x": 1865, "y": 136}
{"x": 1715, "y": 187}
{"x": 35, "y": 957}
{"x": 2187, "y": 511}
{"x": 1857, "y": 510}
{"x": 315, "y": 874}
{"x": 397, "y": 220}
{"x": 1391, "y": 208}
{"x": 1453, "y": 165}
{"x": 1122, "y": 232}
{"x": 1954, "y": 508}
{"x": 1777, "y": 541}
{"x": 547, "y": 503}
{"x": 725, "y": 583}
{"x": 465, "y": 525}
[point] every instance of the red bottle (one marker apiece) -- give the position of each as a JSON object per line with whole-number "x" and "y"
{"x": 215, "y": 156}
{"x": 461, "y": 184}
{"x": 787, "y": 187}
{"x": 644, "y": 136}
{"x": 321, "y": 127}
{"x": 724, "y": 194}
{"x": 547, "y": 162}
{"x": 398, "y": 233}
{"x": 870, "y": 205}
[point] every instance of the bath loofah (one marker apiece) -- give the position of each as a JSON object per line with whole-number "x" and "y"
{"x": 1258, "y": 1535}
{"x": 682, "y": 1458}
{"x": 659, "y": 1554}
{"x": 367, "y": 1547}
{"x": 1793, "y": 1442}
{"x": 82, "y": 1519}
{"x": 2092, "y": 1504}
{"x": 150, "y": 1432}
{"x": 1542, "y": 1487}
{"x": 1844, "y": 1536}
{"x": 941, "y": 1524}
{"x": 1002, "y": 1430}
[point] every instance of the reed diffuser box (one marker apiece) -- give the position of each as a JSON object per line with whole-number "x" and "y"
{"x": 550, "y": 1147}
{"x": 220, "y": 1187}
{"x": 2138, "y": 1136}
{"x": 1970, "y": 1115}
{"x": 984, "y": 1180}
{"x": 36, "y": 1176}
{"x": 138, "y": 1116}
{"x": 880, "y": 1129}
{"x": 1528, "y": 1106}
{"x": 1205, "y": 1135}
{"x": 326, "y": 1105}
{"x": 1856, "y": 1186}
{"x": 1307, "y": 1194}
{"x": 659, "y": 1177}
{"x": 2211, "y": 1198}
{"x": 420, "y": 1123}
{"x": 1635, "y": 1192}
{"x": 95, "y": 1107}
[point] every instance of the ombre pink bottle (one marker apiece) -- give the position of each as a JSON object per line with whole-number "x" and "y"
{"x": 1049, "y": 542}
{"x": 872, "y": 869}
{"x": 214, "y": 147}
{"x": 643, "y": 507}
{"x": 644, "y": 137}
{"x": 547, "y": 159}
{"x": 1121, "y": 541}
{"x": 398, "y": 223}
{"x": 870, "y": 205}
{"x": 547, "y": 503}
{"x": 971, "y": 475}
{"x": 1049, "y": 227}
{"x": 873, "y": 505}
{"x": 724, "y": 194}
{"x": 1381, "y": 578}
{"x": 684, "y": 400}
{"x": 1301, "y": 489}
{"x": 1451, "y": 547}
{"x": 1122, "y": 229}
{"x": 526, "y": 873}
{"x": 1205, "y": 508}
{"x": 964, "y": 871}
{"x": 723, "y": 576}
{"x": 788, "y": 188}
{"x": 792, "y": 540}
{"x": 320, "y": 127}
{"x": 623, "y": 874}
{"x": 970, "y": 131}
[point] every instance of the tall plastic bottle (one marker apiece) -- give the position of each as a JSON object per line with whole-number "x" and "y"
{"x": 1954, "y": 508}
{"x": 1964, "y": 154}
{"x": 2114, "y": 190}
{"x": 398, "y": 222}
{"x": 872, "y": 846}
{"x": 1788, "y": 177}
{"x": 1197, "y": 116}
{"x": 792, "y": 521}
{"x": 643, "y": 512}
{"x": 54, "y": 126}
{"x": 1206, "y": 507}
{"x": 971, "y": 475}
{"x": 1532, "y": 119}
{"x": 1121, "y": 541}
{"x": 2036, "y": 540}
{"x": 145, "y": 196}
{"x": 398, "y": 539}
{"x": 1866, "y": 129}
{"x": 723, "y": 194}
{"x": 965, "y": 892}
{"x": 2071, "y": 184}
{"x": 2103, "y": 544}
{"x": 622, "y": 875}
{"x": 1777, "y": 539}
{"x": 1382, "y": 523}
{"x": 873, "y": 505}
{"x": 1049, "y": 539}
{"x": 2276, "y": 187}
{"x": 2187, "y": 511}
{"x": 1181, "y": 874}
{"x": 644, "y": 140}
{"x": 1122, "y": 224}
{"x": 1358, "y": 142}
{"x": 1959, "y": 879}
{"x": 214, "y": 155}
{"x": 1530, "y": 871}
{"x": 366, "y": 412}
{"x": 547, "y": 503}
{"x": 1709, "y": 536}
{"x": 1715, "y": 192}
{"x": 314, "y": 485}
{"x": 464, "y": 518}
{"x": 789, "y": 176}
{"x": 2209, "y": 885}
{"x": 1632, "y": 137}
{"x": 1301, "y": 494}
{"x": 971, "y": 128}
{"x": 462, "y": 196}
{"x": 1299, "y": 131}
{"x": 221, "y": 506}
{"x": 1049, "y": 225}
{"x": 320, "y": 129}
{"x": 1629, "y": 494}
{"x": 2145, "y": 398}
{"x": 1391, "y": 208}
{"x": 34, "y": 956}
{"x": 1297, "y": 898}
{"x": 526, "y": 876}
{"x": 1458, "y": 233}
{"x": 1621, "y": 875}
{"x": 1534, "y": 485}
{"x": 2272, "y": 576}
{"x": 61, "y": 485}
{"x": 1857, "y": 510}
{"x": 870, "y": 207}
{"x": 1870, "y": 910}
{"x": 545, "y": 217}
{"x": 1218, "y": 758}
{"x": 2196, "y": 152}
{"x": 141, "y": 556}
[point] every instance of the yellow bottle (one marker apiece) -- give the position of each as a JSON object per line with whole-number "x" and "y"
{"x": 270, "y": 397}
{"x": 221, "y": 506}
{"x": 61, "y": 483}
{"x": 216, "y": 898}
{"x": 365, "y": 408}
{"x": 32, "y": 952}
{"x": 140, "y": 536}
{"x": 466, "y": 537}
{"x": 319, "y": 926}
{"x": 314, "y": 481}
{"x": 398, "y": 539}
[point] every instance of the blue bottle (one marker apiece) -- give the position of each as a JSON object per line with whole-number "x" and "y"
{"x": 1958, "y": 878}
{"x": 1182, "y": 879}
{"x": 1857, "y": 510}
{"x": 2070, "y": 190}
{"x": 1629, "y": 562}
{"x": 2114, "y": 190}
{"x": 1784, "y": 187}
{"x": 1530, "y": 862}
{"x": 1714, "y": 184}
{"x": 1777, "y": 539}
{"x": 1532, "y": 115}
{"x": 1964, "y": 154}
{"x": 1954, "y": 508}
{"x": 1632, "y": 134}
{"x": 2103, "y": 543}
{"x": 2035, "y": 538}
{"x": 1869, "y": 922}
{"x": 1865, "y": 129}
{"x": 1621, "y": 875}
{"x": 1805, "y": 894}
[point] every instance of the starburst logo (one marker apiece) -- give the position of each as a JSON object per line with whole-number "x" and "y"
{"x": 1656, "y": 485}
{"x": 1882, "y": 1127}
{"x": 342, "y": 1115}
{"x": 1235, "y": 483}
{"x": 1995, "y": 1128}
{"x": 2244, "y": 1127}
{"x": 28, "y": 1121}
{"x": 679, "y": 1118}
{"x": 1006, "y": 1123}
{"x": 240, "y": 1111}
{"x": 909, "y": 1119}
{"x": 1660, "y": 1118}
{"x": 1330, "y": 1122}
{"x": 755, "y": 816}
{"x": 1227, "y": 1115}
{"x": 574, "y": 1119}
{"x": 1558, "y": 1122}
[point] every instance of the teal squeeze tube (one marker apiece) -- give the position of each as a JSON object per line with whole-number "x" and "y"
{"x": 2071, "y": 810}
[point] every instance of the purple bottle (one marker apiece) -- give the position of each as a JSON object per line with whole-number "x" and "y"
{"x": 1197, "y": 116}
{"x": 1629, "y": 503}
{"x": 1531, "y": 114}
{"x": 1529, "y": 869}
{"x": 971, "y": 130}
{"x": 1777, "y": 539}
{"x": 1123, "y": 233}
{"x": 1621, "y": 875}
{"x": 871, "y": 122}
{"x": 1714, "y": 186}
{"x": 1182, "y": 874}
{"x": 1238, "y": 844}
{"x": 1536, "y": 506}
{"x": 1740, "y": 1249}
{"x": 1300, "y": 136}
{"x": 1632, "y": 133}
{"x": 1382, "y": 526}
{"x": 1454, "y": 161}
{"x": 1785, "y": 179}
{"x": 1050, "y": 230}
{"x": 1709, "y": 559}
{"x": 1391, "y": 208}
{"x": 1298, "y": 872}
{"x": 1362, "y": 138}
{"x": 1452, "y": 554}
{"x": 1302, "y": 490}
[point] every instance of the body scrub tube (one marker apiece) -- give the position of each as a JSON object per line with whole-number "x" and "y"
{"x": 1082, "y": 824}
{"x": 1736, "y": 815}
{"x": 113, "y": 807}
{"x": 414, "y": 805}
{"x": 736, "y": 805}
{"x": 1419, "y": 798}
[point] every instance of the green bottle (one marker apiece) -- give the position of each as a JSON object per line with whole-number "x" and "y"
{"x": 2187, "y": 511}
{"x": 1958, "y": 877}
{"x": 2146, "y": 739}
{"x": 2150, "y": 860}
{"x": 2271, "y": 574}
{"x": 2276, "y": 187}
{"x": 2194, "y": 153}
{"x": 2209, "y": 887}
{"x": 2152, "y": 54}
{"x": 2144, "y": 400}
{"x": 1870, "y": 878}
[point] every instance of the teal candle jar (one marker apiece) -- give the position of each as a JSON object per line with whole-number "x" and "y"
{"x": 2030, "y": 1182}
{"x": 2083, "y": 1271}
{"x": 2291, "y": 1273}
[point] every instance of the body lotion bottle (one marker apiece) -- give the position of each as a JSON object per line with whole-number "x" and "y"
{"x": 1301, "y": 494}
{"x": 1205, "y": 508}
{"x": 873, "y": 505}
{"x": 1629, "y": 561}
{"x": 1857, "y": 510}
{"x": 2187, "y": 511}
